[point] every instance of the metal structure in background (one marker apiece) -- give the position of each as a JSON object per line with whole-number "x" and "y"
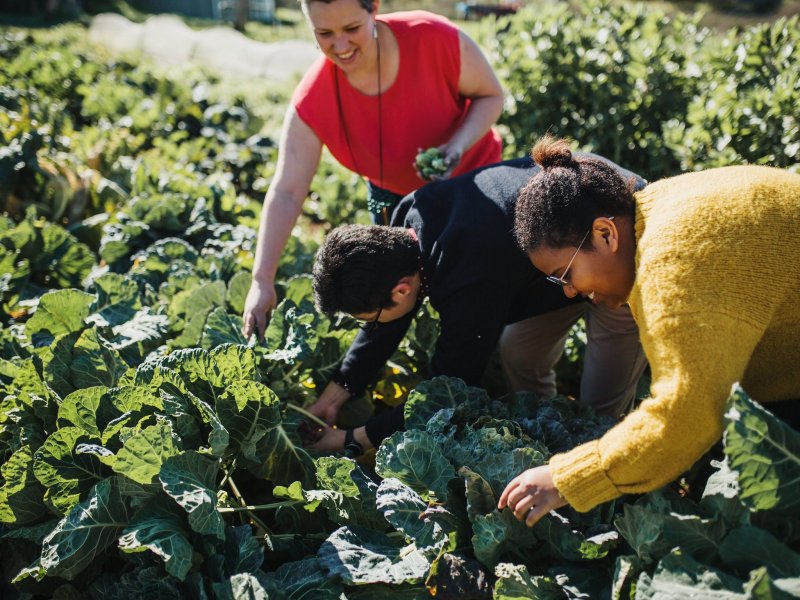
{"x": 472, "y": 10}
{"x": 220, "y": 10}
{"x": 260, "y": 10}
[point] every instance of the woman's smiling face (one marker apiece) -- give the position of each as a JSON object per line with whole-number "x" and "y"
{"x": 602, "y": 271}
{"x": 343, "y": 30}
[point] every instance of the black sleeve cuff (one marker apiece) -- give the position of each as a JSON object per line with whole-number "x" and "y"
{"x": 385, "y": 424}
{"x": 339, "y": 379}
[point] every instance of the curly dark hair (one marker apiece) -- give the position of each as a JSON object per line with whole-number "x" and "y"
{"x": 358, "y": 266}
{"x": 559, "y": 204}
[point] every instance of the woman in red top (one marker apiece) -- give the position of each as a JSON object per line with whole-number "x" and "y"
{"x": 385, "y": 88}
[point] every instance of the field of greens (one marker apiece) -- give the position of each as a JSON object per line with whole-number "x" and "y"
{"x": 149, "y": 450}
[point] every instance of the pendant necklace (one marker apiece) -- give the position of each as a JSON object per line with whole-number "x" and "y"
{"x": 375, "y": 205}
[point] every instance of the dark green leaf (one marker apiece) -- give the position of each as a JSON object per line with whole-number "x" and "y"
{"x": 190, "y": 479}
{"x": 364, "y": 556}
{"x": 765, "y": 452}
{"x": 415, "y": 458}
{"x": 88, "y": 529}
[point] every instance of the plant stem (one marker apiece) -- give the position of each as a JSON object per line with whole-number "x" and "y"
{"x": 307, "y": 414}
{"x": 238, "y": 496}
{"x": 227, "y": 473}
{"x": 233, "y": 509}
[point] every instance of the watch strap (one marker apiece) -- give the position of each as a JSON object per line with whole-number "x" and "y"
{"x": 352, "y": 448}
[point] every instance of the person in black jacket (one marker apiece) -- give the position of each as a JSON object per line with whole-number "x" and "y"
{"x": 453, "y": 241}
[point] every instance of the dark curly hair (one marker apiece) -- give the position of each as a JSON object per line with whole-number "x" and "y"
{"x": 559, "y": 204}
{"x": 358, "y": 266}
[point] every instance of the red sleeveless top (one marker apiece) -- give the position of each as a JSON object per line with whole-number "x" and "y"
{"x": 421, "y": 109}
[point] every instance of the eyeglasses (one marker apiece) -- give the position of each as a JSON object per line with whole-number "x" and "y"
{"x": 368, "y": 326}
{"x": 562, "y": 280}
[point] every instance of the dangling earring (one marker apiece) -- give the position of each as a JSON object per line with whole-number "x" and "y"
{"x": 375, "y": 31}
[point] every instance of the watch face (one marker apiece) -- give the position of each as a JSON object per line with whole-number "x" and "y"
{"x": 353, "y": 449}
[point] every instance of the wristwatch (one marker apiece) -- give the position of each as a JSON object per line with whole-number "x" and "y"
{"x": 352, "y": 448}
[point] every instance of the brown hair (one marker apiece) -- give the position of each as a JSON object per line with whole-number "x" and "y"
{"x": 559, "y": 204}
{"x": 367, "y": 5}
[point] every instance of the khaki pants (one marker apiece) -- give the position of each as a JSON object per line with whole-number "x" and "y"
{"x": 613, "y": 363}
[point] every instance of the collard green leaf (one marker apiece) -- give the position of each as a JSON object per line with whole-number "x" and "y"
{"x": 21, "y": 497}
{"x": 205, "y": 374}
{"x": 238, "y": 287}
{"x": 243, "y": 550}
{"x": 190, "y": 479}
{"x": 561, "y": 540}
{"x": 79, "y": 409}
{"x": 645, "y": 527}
{"x": 299, "y": 288}
{"x": 218, "y": 437}
{"x": 141, "y": 334}
{"x": 143, "y": 582}
{"x": 765, "y": 452}
{"x": 301, "y": 580}
{"x": 88, "y": 529}
{"x": 193, "y": 307}
{"x": 249, "y": 411}
{"x": 289, "y": 336}
{"x": 79, "y": 361}
{"x": 433, "y": 395}
{"x": 59, "y": 312}
{"x": 117, "y": 300}
{"x": 721, "y": 497}
{"x": 380, "y": 591}
{"x": 456, "y": 576}
{"x": 405, "y": 509}
{"x": 498, "y": 469}
{"x": 333, "y": 473}
{"x": 245, "y": 586}
{"x": 749, "y": 548}
{"x": 346, "y": 478}
{"x": 221, "y": 328}
{"x": 626, "y": 572}
{"x": 500, "y": 534}
{"x": 762, "y": 586}
{"x": 66, "y": 473}
{"x": 143, "y": 454}
{"x": 480, "y": 497}
{"x": 95, "y": 362}
{"x": 678, "y": 576}
{"x": 415, "y": 458}
{"x": 515, "y": 583}
{"x": 364, "y": 556}
{"x": 158, "y": 527}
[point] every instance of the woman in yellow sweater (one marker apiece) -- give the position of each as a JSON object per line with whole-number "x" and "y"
{"x": 710, "y": 265}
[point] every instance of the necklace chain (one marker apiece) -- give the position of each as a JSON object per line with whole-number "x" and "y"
{"x": 376, "y": 205}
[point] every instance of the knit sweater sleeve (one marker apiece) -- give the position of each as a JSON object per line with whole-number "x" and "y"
{"x": 695, "y": 359}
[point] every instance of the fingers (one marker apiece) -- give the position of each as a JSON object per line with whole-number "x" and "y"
{"x": 261, "y": 325}
{"x": 536, "y": 513}
{"x": 519, "y": 493}
{"x": 523, "y": 506}
{"x": 503, "y": 502}
{"x": 247, "y": 325}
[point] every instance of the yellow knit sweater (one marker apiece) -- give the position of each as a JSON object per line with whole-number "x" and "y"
{"x": 717, "y": 300}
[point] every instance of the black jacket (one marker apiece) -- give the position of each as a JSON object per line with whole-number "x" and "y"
{"x": 478, "y": 280}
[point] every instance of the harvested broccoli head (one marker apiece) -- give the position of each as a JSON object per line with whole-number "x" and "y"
{"x": 430, "y": 163}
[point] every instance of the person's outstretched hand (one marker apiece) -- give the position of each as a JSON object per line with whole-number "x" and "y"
{"x": 452, "y": 157}
{"x": 331, "y": 440}
{"x": 329, "y": 402}
{"x": 261, "y": 299}
{"x": 531, "y": 495}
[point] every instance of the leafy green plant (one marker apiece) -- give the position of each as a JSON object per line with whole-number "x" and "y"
{"x": 745, "y": 107}
{"x": 606, "y": 75}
